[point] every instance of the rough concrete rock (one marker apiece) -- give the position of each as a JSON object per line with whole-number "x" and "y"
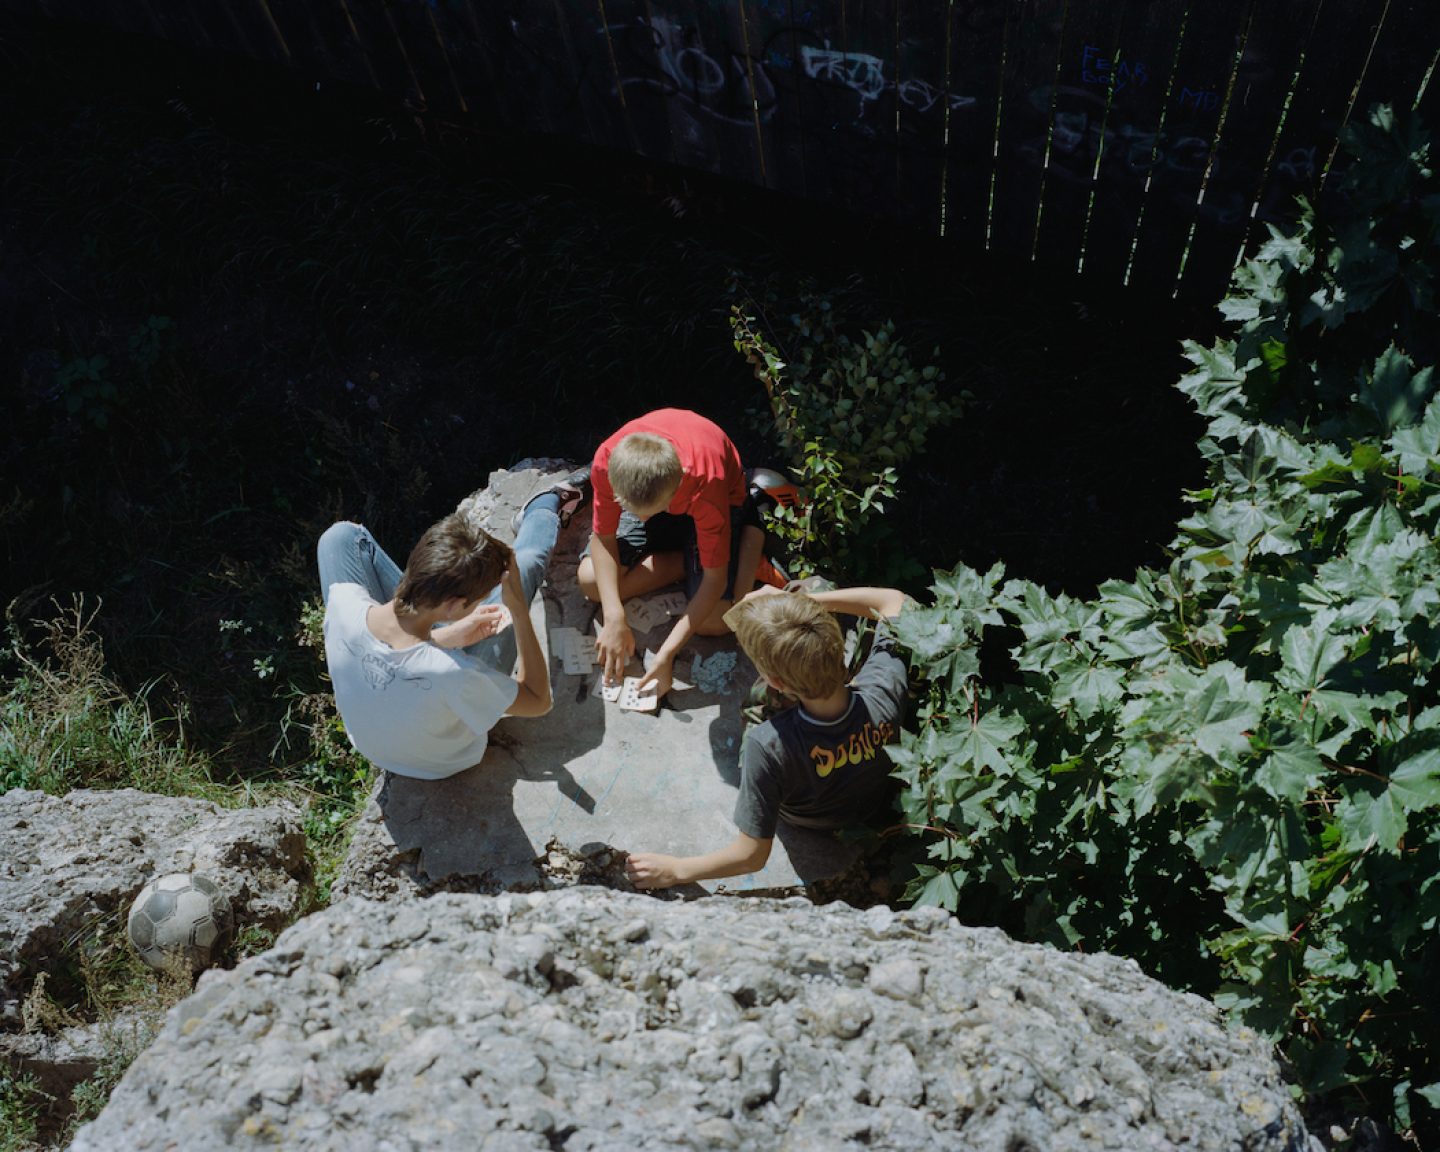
{"x": 596, "y": 1020}
{"x": 494, "y": 506}
{"x": 60, "y": 1061}
{"x": 68, "y": 862}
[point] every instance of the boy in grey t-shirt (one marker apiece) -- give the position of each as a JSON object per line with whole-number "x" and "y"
{"x": 821, "y": 764}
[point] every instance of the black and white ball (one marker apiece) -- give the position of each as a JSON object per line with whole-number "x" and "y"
{"x": 180, "y": 920}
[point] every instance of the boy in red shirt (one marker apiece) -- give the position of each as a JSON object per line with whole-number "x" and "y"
{"x": 670, "y": 505}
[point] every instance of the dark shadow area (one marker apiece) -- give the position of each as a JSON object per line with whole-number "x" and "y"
{"x": 236, "y": 305}
{"x": 462, "y": 827}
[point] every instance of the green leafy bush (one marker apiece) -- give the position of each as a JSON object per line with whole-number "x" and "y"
{"x": 846, "y": 415}
{"x": 1230, "y": 769}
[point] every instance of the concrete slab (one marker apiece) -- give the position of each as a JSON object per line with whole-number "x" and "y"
{"x": 591, "y": 779}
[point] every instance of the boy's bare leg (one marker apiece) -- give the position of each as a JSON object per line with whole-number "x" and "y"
{"x": 653, "y": 572}
{"x": 752, "y": 544}
{"x": 747, "y": 560}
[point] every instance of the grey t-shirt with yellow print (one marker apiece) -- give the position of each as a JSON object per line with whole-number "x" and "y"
{"x": 825, "y": 774}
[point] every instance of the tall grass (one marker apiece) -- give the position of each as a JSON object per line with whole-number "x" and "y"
{"x": 65, "y": 724}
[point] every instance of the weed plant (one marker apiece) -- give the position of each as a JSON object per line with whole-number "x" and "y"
{"x": 847, "y": 415}
{"x": 65, "y": 724}
{"x": 22, "y": 1102}
{"x": 97, "y": 983}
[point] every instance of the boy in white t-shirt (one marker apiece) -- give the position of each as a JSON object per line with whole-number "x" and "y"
{"x": 421, "y": 660}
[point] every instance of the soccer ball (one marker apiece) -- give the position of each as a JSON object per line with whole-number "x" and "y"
{"x": 179, "y": 921}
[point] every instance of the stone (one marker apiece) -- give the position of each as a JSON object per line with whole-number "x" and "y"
{"x": 71, "y": 862}
{"x": 533, "y": 1022}
{"x": 62, "y": 1060}
{"x": 899, "y": 979}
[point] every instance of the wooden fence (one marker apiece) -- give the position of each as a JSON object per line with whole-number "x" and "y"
{"x": 1137, "y": 141}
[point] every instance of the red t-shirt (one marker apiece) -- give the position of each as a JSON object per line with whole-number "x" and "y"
{"x": 713, "y": 482}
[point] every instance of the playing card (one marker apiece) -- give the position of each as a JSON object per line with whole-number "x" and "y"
{"x": 643, "y": 614}
{"x": 672, "y": 603}
{"x": 633, "y": 700}
{"x": 575, "y": 651}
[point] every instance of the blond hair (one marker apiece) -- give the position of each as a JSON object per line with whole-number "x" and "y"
{"x": 644, "y": 470}
{"x": 792, "y": 640}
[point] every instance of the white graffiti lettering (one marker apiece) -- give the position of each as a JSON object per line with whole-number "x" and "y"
{"x": 861, "y": 73}
{"x": 864, "y": 75}
{"x": 695, "y": 75}
{"x": 922, "y": 96}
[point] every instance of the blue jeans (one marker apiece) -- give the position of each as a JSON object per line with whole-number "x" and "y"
{"x": 348, "y": 554}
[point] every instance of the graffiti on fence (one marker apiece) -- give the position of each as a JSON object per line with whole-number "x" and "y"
{"x": 864, "y": 75}
{"x": 1085, "y": 144}
{"x": 1198, "y": 99}
{"x": 847, "y": 102}
{"x": 1298, "y": 165}
{"x": 861, "y": 73}
{"x": 1081, "y": 132}
{"x": 728, "y": 85}
{"x": 1117, "y": 75}
{"x": 1105, "y": 72}
{"x": 663, "y": 54}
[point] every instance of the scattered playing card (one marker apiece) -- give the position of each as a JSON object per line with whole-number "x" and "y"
{"x": 575, "y": 651}
{"x": 643, "y": 614}
{"x": 672, "y": 603}
{"x": 610, "y": 693}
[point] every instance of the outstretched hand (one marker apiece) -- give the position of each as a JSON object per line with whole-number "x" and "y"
{"x": 651, "y": 870}
{"x": 512, "y": 592}
{"x": 660, "y": 678}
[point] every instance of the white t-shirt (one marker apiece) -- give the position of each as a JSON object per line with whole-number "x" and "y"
{"x": 423, "y": 711}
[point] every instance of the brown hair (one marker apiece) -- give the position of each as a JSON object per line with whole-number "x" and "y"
{"x": 644, "y": 470}
{"x": 793, "y": 640}
{"x": 453, "y": 558}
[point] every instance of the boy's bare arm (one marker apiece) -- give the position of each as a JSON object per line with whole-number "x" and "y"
{"x": 616, "y": 643}
{"x": 871, "y": 603}
{"x": 742, "y": 855}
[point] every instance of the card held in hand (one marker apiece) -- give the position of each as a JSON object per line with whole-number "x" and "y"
{"x": 633, "y": 700}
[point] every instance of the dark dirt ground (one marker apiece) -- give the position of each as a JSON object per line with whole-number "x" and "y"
{"x": 362, "y": 312}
